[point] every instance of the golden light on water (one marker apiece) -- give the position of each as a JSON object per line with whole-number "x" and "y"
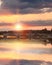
{"x": 16, "y": 51}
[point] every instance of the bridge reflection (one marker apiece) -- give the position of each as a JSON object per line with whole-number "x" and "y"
{"x": 45, "y": 37}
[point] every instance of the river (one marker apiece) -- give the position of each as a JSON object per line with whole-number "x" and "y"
{"x": 25, "y": 49}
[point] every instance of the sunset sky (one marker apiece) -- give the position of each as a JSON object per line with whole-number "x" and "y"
{"x": 34, "y": 13}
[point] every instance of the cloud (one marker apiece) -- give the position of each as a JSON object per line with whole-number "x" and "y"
{"x": 27, "y": 6}
{"x": 38, "y": 23}
{"x": 31, "y": 23}
{"x": 30, "y": 10}
{"x": 6, "y": 24}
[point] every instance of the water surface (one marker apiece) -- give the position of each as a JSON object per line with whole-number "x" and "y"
{"x": 25, "y": 49}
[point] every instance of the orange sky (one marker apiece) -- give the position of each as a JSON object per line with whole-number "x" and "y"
{"x": 26, "y": 17}
{"x": 11, "y": 18}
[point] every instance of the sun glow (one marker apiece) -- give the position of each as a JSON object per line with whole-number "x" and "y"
{"x": 19, "y": 27}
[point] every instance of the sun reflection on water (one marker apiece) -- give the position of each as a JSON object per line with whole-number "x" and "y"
{"x": 16, "y": 50}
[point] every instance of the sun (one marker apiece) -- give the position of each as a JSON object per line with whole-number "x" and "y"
{"x": 19, "y": 27}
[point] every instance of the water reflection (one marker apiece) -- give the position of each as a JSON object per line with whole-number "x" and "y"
{"x": 24, "y": 62}
{"x": 37, "y": 51}
{"x": 25, "y": 50}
